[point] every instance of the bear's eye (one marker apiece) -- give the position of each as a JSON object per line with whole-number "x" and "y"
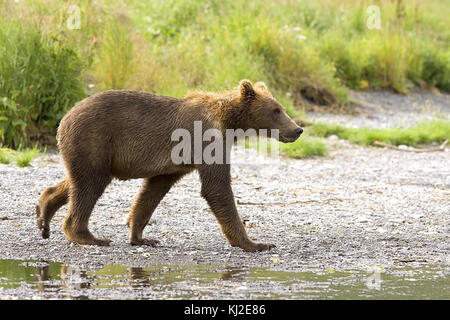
{"x": 277, "y": 111}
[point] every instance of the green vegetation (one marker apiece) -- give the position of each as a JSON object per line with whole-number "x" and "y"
{"x": 301, "y": 49}
{"x": 425, "y": 132}
{"x": 311, "y": 144}
{"x": 305, "y": 147}
{"x": 39, "y": 81}
{"x": 4, "y": 157}
{"x": 22, "y": 157}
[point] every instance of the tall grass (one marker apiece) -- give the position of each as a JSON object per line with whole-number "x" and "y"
{"x": 40, "y": 79}
{"x": 311, "y": 50}
{"x": 304, "y": 50}
{"x": 113, "y": 65}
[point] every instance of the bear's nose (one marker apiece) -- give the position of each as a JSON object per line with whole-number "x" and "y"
{"x": 298, "y": 131}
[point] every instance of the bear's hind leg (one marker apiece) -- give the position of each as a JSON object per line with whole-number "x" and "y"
{"x": 152, "y": 192}
{"x": 83, "y": 196}
{"x": 49, "y": 202}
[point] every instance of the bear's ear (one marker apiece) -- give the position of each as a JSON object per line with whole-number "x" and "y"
{"x": 247, "y": 91}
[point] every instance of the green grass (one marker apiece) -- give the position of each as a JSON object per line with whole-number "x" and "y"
{"x": 40, "y": 79}
{"x": 311, "y": 144}
{"x": 22, "y": 157}
{"x": 304, "y": 147}
{"x": 5, "y": 157}
{"x": 114, "y": 63}
{"x": 315, "y": 50}
{"x": 301, "y": 47}
{"x": 422, "y": 133}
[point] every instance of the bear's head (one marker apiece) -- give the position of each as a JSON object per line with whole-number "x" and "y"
{"x": 264, "y": 112}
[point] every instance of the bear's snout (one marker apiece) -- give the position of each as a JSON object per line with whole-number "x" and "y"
{"x": 296, "y": 134}
{"x": 298, "y": 131}
{"x": 291, "y": 135}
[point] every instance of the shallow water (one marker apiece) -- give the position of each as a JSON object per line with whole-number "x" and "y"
{"x": 50, "y": 280}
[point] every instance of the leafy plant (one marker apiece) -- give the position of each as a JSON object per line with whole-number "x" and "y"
{"x": 40, "y": 79}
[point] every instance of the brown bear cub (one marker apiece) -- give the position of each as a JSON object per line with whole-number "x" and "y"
{"x": 128, "y": 135}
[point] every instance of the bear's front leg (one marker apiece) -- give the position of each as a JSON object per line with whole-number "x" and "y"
{"x": 216, "y": 189}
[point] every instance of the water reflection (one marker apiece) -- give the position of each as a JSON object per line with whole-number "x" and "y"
{"x": 69, "y": 280}
{"x": 231, "y": 273}
{"x": 31, "y": 279}
{"x": 138, "y": 278}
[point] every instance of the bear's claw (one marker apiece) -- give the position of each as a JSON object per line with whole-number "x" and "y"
{"x": 45, "y": 229}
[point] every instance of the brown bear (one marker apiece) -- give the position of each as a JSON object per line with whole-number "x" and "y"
{"x": 126, "y": 134}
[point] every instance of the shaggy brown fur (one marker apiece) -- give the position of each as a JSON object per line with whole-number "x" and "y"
{"x": 127, "y": 135}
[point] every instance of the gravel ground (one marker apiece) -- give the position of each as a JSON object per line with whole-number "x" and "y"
{"x": 358, "y": 207}
{"x": 384, "y": 109}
